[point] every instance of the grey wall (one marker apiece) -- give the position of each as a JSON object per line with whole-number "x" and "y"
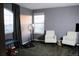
{"x": 24, "y": 29}
{"x": 25, "y": 11}
{"x": 61, "y": 19}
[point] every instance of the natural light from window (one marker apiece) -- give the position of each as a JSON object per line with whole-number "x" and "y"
{"x": 39, "y": 23}
{"x": 8, "y": 21}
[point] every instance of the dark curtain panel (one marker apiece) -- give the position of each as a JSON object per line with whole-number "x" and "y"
{"x": 17, "y": 29}
{"x": 77, "y": 27}
{"x": 2, "y": 34}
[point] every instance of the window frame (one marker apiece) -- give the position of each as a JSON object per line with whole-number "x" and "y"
{"x": 37, "y": 14}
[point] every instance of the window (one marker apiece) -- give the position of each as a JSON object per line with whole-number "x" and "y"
{"x": 8, "y": 21}
{"x": 39, "y": 23}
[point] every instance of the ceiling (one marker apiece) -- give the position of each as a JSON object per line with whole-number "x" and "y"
{"x": 34, "y": 6}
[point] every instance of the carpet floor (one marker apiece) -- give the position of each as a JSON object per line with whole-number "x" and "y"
{"x": 42, "y": 49}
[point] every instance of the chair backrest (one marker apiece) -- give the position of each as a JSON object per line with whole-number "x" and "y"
{"x": 72, "y": 35}
{"x": 50, "y": 33}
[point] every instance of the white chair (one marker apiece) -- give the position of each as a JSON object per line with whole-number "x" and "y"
{"x": 70, "y": 38}
{"x": 50, "y": 37}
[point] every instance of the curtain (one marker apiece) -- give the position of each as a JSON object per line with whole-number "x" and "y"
{"x": 17, "y": 29}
